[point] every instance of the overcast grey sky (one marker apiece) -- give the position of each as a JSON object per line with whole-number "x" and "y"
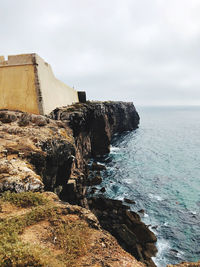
{"x": 146, "y": 51}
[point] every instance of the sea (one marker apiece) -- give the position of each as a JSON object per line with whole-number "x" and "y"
{"x": 158, "y": 166}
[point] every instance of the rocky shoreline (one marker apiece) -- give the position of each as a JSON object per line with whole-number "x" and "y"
{"x": 52, "y": 153}
{"x": 93, "y": 126}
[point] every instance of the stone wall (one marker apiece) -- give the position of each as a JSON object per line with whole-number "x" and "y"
{"x": 28, "y": 84}
{"x": 54, "y": 92}
{"x": 17, "y": 88}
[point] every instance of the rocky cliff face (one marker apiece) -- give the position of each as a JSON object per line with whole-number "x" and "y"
{"x": 126, "y": 226}
{"x": 53, "y": 153}
{"x": 36, "y": 153}
{"x": 40, "y": 153}
{"x": 93, "y": 125}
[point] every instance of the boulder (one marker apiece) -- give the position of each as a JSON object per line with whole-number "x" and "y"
{"x": 129, "y": 201}
{"x": 98, "y": 167}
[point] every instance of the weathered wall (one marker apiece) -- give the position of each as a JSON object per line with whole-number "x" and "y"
{"x": 17, "y": 88}
{"x": 27, "y": 83}
{"x": 54, "y": 92}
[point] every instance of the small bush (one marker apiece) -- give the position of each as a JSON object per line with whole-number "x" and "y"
{"x": 24, "y": 199}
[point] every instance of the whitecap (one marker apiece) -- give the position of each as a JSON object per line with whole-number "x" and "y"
{"x": 114, "y": 149}
{"x": 193, "y": 212}
{"x": 180, "y": 254}
{"x": 159, "y": 198}
{"x": 162, "y": 246}
{"x": 101, "y": 163}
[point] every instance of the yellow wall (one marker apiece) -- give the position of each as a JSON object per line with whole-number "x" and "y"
{"x": 17, "y": 88}
{"x": 27, "y": 83}
{"x": 54, "y": 92}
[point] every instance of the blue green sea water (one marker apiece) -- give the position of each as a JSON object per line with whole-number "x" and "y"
{"x": 158, "y": 166}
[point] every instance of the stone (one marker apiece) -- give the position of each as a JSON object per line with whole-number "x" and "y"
{"x": 133, "y": 216}
{"x": 144, "y": 234}
{"x": 150, "y": 250}
{"x": 24, "y": 119}
{"x": 128, "y": 237}
{"x": 126, "y": 225}
{"x": 7, "y": 117}
{"x": 129, "y": 201}
{"x": 39, "y": 120}
{"x": 141, "y": 211}
{"x": 93, "y": 190}
{"x": 97, "y": 167}
{"x": 103, "y": 190}
{"x": 96, "y": 180}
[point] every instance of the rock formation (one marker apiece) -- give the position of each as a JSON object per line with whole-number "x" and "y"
{"x": 126, "y": 226}
{"x": 52, "y": 153}
{"x": 36, "y": 152}
{"x": 93, "y": 125}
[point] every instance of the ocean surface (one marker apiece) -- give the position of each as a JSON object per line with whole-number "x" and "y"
{"x": 158, "y": 166}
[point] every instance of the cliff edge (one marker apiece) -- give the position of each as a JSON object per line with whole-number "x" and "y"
{"x": 52, "y": 153}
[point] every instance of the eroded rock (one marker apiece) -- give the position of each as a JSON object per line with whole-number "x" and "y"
{"x": 133, "y": 235}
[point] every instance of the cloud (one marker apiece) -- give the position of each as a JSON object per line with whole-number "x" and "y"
{"x": 146, "y": 51}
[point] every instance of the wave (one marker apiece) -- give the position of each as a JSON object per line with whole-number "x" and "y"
{"x": 159, "y": 198}
{"x": 163, "y": 247}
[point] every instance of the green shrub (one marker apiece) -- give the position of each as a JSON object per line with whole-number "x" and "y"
{"x": 24, "y": 199}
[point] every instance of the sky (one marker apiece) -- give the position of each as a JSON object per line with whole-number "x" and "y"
{"x": 145, "y": 51}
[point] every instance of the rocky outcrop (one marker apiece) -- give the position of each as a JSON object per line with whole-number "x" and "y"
{"x": 93, "y": 125}
{"x": 132, "y": 234}
{"x": 52, "y": 153}
{"x": 36, "y": 153}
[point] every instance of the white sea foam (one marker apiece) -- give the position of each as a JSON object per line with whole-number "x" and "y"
{"x": 114, "y": 150}
{"x": 101, "y": 163}
{"x": 159, "y": 198}
{"x": 193, "y": 212}
{"x": 163, "y": 246}
{"x": 180, "y": 254}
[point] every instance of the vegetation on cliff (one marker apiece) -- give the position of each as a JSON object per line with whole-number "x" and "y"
{"x": 52, "y": 233}
{"x": 52, "y": 153}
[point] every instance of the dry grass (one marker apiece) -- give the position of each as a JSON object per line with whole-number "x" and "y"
{"x": 70, "y": 236}
{"x": 24, "y": 199}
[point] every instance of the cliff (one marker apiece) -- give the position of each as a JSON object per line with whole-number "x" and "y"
{"x": 52, "y": 154}
{"x": 37, "y": 229}
{"x": 93, "y": 125}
